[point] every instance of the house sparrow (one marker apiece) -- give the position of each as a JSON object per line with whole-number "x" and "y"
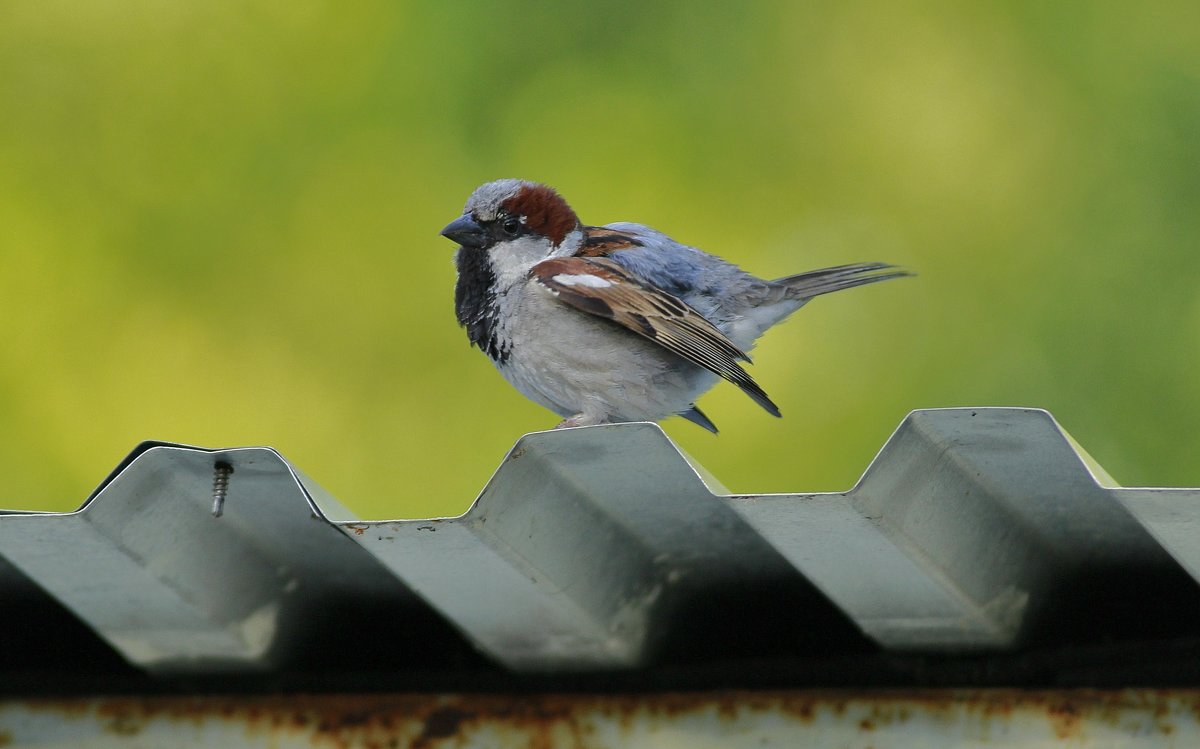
{"x": 614, "y": 323}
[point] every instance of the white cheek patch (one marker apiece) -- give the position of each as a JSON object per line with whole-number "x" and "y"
{"x": 582, "y": 279}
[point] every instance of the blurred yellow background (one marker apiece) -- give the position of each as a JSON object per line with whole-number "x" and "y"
{"x": 218, "y": 223}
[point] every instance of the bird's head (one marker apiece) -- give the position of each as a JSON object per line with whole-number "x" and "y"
{"x": 515, "y": 220}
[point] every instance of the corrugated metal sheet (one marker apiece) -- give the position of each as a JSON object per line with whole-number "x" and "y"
{"x": 597, "y": 549}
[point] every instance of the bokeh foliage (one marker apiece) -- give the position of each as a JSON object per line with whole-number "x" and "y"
{"x": 218, "y": 223}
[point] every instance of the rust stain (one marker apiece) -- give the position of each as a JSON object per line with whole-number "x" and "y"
{"x": 124, "y": 725}
{"x": 546, "y": 720}
{"x": 1066, "y": 718}
{"x": 442, "y": 724}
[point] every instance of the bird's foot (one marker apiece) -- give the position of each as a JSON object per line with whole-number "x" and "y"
{"x": 578, "y": 420}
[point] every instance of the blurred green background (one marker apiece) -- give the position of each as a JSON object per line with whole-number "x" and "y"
{"x": 218, "y": 223}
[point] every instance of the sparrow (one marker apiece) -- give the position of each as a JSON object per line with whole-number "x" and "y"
{"x": 614, "y": 323}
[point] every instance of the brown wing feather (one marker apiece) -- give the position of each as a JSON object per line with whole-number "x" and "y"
{"x": 600, "y": 242}
{"x": 603, "y": 288}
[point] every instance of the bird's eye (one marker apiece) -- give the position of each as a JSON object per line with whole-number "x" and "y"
{"x": 511, "y": 226}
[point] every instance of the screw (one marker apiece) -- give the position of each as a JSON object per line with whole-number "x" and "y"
{"x": 221, "y": 472}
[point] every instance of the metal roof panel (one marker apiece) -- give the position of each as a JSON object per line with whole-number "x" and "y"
{"x": 591, "y": 549}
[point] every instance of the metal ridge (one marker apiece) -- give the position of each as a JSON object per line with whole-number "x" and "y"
{"x": 970, "y": 531}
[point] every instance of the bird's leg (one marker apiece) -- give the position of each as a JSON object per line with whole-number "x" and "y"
{"x": 578, "y": 420}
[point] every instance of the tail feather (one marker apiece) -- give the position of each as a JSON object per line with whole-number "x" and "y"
{"x": 827, "y": 280}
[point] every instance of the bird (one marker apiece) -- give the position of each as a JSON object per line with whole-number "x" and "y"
{"x": 614, "y": 323}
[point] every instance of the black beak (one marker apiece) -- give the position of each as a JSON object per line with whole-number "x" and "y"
{"x": 466, "y": 231}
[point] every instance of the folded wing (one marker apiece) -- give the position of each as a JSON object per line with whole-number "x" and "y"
{"x": 601, "y": 287}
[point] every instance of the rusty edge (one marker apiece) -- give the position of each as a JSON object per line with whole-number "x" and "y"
{"x": 426, "y": 721}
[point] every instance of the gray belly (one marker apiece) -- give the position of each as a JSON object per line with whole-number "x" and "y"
{"x": 575, "y": 363}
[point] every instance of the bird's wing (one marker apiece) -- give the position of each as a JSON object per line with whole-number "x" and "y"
{"x": 602, "y": 241}
{"x": 603, "y": 288}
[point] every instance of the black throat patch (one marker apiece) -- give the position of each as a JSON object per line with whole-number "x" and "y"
{"x": 475, "y": 302}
